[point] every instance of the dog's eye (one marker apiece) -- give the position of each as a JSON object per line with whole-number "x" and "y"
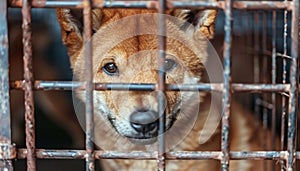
{"x": 110, "y": 68}
{"x": 169, "y": 64}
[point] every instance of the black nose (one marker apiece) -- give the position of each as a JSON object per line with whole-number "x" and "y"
{"x": 144, "y": 121}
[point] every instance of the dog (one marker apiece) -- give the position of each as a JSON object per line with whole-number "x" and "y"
{"x": 125, "y": 51}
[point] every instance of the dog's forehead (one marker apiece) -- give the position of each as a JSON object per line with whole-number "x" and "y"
{"x": 132, "y": 46}
{"x": 111, "y": 15}
{"x": 128, "y": 36}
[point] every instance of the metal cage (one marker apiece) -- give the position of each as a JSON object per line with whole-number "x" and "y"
{"x": 287, "y": 89}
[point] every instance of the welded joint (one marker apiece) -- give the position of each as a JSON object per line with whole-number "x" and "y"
{"x": 8, "y": 151}
{"x": 285, "y": 155}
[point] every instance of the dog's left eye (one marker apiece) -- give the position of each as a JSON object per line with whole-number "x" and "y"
{"x": 110, "y": 68}
{"x": 169, "y": 64}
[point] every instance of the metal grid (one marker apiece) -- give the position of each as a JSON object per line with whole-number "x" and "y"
{"x": 8, "y": 152}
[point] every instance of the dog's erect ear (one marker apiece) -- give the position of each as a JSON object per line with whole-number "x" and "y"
{"x": 71, "y": 23}
{"x": 202, "y": 20}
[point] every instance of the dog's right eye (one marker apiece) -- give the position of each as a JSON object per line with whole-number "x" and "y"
{"x": 110, "y": 68}
{"x": 169, "y": 64}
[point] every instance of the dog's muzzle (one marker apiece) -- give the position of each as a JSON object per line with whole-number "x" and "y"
{"x": 145, "y": 123}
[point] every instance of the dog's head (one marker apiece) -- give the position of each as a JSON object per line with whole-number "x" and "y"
{"x": 125, "y": 51}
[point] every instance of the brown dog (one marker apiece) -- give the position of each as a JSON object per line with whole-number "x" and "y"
{"x": 125, "y": 51}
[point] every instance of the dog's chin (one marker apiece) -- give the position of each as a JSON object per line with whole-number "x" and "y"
{"x": 142, "y": 141}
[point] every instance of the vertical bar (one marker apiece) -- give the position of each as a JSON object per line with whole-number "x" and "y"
{"x": 292, "y": 119}
{"x": 256, "y": 69}
{"x": 89, "y": 108}
{"x": 265, "y": 73}
{"x": 283, "y": 99}
{"x": 161, "y": 83}
{"x": 273, "y": 96}
{"x": 256, "y": 48}
{"x": 28, "y": 86}
{"x": 247, "y": 25}
{"x": 226, "y": 92}
{"x": 5, "y": 133}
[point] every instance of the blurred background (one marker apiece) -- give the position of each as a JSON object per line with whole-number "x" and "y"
{"x": 56, "y": 122}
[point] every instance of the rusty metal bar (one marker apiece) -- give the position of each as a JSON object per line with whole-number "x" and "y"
{"x": 249, "y": 5}
{"x": 7, "y": 150}
{"x": 256, "y": 69}
{"x": 283, "y": 98}
{"x": 274, "y": 76}
{"x": 292, "y": 119}
{"x": 89, "y": 102}
{"x": 137, "y": 155}
{"x": 76, "y": 85}
{"x": 261, "y": 87}
{"x": 264, "y": 79}
{"x": 161, "y": 87}
{"x": 192, "y": 155}
{"x": 265, "y": 130}
{"x": 256, "y": 62}
{"x": 241, "y": 155}
{"x": 226, "y": 99}
{"x": 28, "y": 86}
{"x": 141, "y": 155}
{"x": 53, "y": 154}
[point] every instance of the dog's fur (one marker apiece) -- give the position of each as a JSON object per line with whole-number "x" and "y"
{"x": 135, "y": 66}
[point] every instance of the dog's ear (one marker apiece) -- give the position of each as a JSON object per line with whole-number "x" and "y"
{"x": 202, "y": 20}
{"x": 71, "y": 24}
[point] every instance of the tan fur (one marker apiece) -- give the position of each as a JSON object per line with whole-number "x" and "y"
{"x": 138, "y": 67}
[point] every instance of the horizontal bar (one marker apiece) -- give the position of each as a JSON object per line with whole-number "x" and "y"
{"x": 53, "y": 154}
{"x": 76, "y": 85}
{"x": 137, "y": 155}
{"x": 261, "y": 87}
{"x": 140, "y": 155}
{"x": 249, "y": 5}
{"x": 234, "y": 155}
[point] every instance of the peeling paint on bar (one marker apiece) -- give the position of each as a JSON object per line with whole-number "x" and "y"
{"x": 28, "y": 86}
{"x": 284, "y": 80}
{"x": 7, "y": 151}
{"x": 138, "y": 155}
{"x": 141, "y": 155}
{"x": 69, "y": 85}
{"x": 89, "y": 100}
{"x": 293, "y": 93}
{"x": 161, "y": 85}
{"x": 226, "y": 97}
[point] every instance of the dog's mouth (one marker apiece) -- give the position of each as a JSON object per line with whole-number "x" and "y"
{"x": 149, "y": 138}
{"x": 142, "y": 140}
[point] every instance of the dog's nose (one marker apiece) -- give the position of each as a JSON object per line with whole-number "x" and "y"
{"x": 144, "y": 121}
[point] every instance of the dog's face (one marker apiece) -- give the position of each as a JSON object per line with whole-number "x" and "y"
{"x": 125, "y": 50}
